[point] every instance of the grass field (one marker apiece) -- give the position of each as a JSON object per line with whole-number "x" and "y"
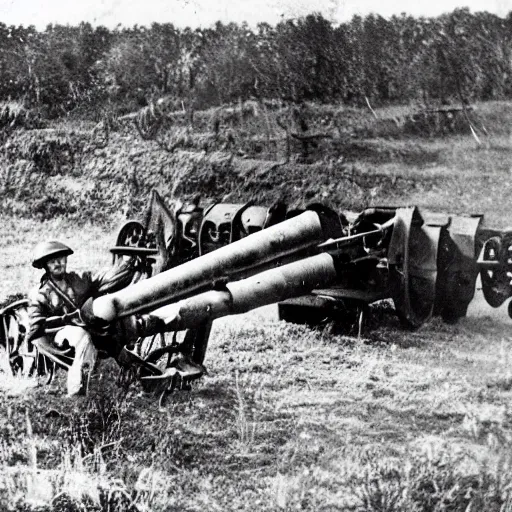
{"x": 288, "y": 418}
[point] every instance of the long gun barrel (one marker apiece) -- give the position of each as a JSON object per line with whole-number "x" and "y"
{"x": 241, "y": 258}
{"x": 277, "y": 284}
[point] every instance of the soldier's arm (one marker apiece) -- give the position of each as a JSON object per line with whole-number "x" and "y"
{"x": 114, "y": 278}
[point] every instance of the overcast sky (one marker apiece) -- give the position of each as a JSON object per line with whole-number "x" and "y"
{"x": 194, "y": 13}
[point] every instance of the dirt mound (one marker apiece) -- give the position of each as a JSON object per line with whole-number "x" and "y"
{"x": 80, "y": 174}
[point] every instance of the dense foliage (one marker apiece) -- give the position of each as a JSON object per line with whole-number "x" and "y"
{"x": 461, "y": 55}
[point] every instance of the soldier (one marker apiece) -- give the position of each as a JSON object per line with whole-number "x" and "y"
{"x": 59, "y": 294}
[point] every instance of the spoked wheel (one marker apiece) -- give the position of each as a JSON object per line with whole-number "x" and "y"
{"x": 413, "y": 267}
{"x": 51, "y": 357}
{"x": 493, "y": 273}
{"x": 21, "y": 357}
{"x": 132, "y": 234}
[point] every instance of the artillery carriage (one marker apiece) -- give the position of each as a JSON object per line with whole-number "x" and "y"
{"x": 201, "y": 263}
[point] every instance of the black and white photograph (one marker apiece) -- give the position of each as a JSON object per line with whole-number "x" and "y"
{"x": 255, "y": 256}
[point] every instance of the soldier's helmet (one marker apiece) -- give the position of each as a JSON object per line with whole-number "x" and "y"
{"x": 44, "y": 251}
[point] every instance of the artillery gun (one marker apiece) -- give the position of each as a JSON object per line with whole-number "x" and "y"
{"x": 447, "y": 244}
{"x": 205, "y": 263}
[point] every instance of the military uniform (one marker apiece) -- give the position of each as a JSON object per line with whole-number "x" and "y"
{"x": 47, "y": 300}
{"x": 52, "y": 300}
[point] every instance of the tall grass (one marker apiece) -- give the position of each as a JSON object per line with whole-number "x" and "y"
{"x": 287, "y": 418}
{"x": 83, "y": 475}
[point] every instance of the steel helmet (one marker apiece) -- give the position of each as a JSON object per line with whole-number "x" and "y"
{"x": 46, "y": 250}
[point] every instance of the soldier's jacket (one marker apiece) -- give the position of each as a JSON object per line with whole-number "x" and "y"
{"x": 45, "y": 301}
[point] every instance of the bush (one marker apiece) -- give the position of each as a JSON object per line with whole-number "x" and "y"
{"x": 14, "y": 115}
{"x": 60, "y": 203}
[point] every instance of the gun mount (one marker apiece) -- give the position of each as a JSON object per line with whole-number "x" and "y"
{"x": 425, "y": 261}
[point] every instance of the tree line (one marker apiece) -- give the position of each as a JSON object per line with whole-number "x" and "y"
{"x": 460, "y": 56}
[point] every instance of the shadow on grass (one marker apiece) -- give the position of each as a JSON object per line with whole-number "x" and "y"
{"x": 368, "y": 321}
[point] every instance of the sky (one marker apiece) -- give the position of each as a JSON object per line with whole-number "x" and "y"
{"x": 204, "y": 13}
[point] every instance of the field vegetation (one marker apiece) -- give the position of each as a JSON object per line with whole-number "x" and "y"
{"x": 82, "y": 173}
{"x": 288, "y": 417}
